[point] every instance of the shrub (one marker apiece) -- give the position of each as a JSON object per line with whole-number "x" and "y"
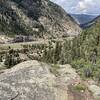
{"x": 80, "y": 87}
{"x": 11, "y": 58}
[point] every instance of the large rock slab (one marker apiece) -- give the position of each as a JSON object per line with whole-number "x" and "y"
{"x": 30, "y": 80}
{"x": 33, "y": 80}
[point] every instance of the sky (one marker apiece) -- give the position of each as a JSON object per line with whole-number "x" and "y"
{"x": 80, "y": 6}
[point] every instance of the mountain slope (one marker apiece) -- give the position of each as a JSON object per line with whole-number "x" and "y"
{"x": 38, "y": 17}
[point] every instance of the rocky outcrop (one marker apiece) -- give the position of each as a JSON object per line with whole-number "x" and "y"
{"x": 94, "y": 88}
{"x": 33, "y": 80}
{"x": 39, "y": 17}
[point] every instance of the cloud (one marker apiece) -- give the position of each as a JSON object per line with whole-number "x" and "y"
{"x": 85, "y": 5}
{"x": 66, "y": 4}
{"x": 80, "y": 6}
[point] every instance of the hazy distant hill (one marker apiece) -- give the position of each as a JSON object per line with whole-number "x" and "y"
{"x": 92, "y": 23}
{"x": 83, "y": 19}
{"x": 39, "y": 17}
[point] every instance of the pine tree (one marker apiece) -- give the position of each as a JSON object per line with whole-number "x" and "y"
{"x": 57, "y": 52}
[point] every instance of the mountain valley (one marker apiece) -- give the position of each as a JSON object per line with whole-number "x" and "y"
{"x": 46, "y": 53}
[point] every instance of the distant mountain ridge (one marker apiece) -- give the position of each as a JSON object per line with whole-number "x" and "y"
{"x": 92, "y": 23}
{"x": 41, "y": 18}
{"x": 83, "y": 19}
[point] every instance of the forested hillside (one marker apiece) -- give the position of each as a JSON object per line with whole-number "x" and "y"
{"x": 83, "y": 52}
